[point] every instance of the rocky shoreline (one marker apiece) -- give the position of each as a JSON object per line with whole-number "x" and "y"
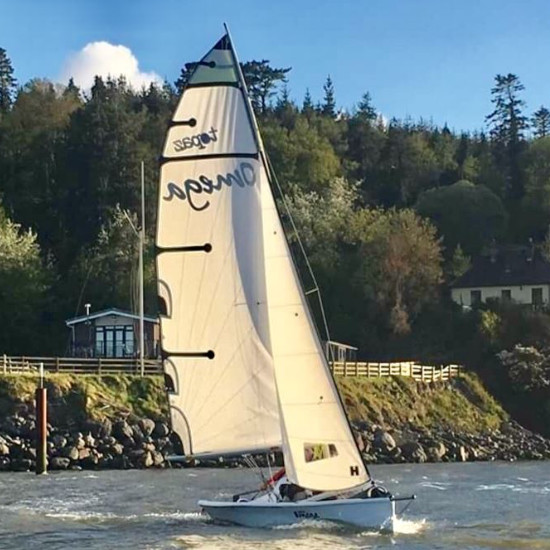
{"x": 144, "y": 443}
{"x": 409, "y": 444}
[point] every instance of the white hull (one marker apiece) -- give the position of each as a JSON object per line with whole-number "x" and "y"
{"x": 370, "y": 513}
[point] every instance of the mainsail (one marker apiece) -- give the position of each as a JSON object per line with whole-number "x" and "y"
{"x": 239, "y": 342}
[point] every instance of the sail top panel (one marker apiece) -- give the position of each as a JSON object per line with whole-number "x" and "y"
{"x": 216, "y": 66}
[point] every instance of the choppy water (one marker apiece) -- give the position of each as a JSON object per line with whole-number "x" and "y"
{"x": 467, "y": 506}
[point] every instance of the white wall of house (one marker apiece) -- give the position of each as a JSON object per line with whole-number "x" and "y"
{"x": 520, "y": 294}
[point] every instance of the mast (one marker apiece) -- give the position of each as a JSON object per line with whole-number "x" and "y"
{"x": 141, "y": 292}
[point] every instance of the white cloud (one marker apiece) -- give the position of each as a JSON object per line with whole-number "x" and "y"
{"x": 104, "y": 59}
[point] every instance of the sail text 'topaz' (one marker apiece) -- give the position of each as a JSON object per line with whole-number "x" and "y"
{"x": 244, "y": 175}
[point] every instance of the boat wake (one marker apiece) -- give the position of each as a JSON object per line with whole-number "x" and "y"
{"x": 310, "y": 524}
{"x": 409, "y": 527}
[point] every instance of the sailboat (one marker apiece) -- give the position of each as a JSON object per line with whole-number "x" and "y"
{"x": 244, "y": 365}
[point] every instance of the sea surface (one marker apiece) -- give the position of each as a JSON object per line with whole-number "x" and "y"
{"x": 472, "y": 505}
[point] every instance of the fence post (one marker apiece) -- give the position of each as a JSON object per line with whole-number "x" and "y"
{"x": 99, "y": 366}
{"x": 5, "y": 363}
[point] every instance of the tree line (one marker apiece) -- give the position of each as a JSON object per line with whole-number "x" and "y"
{"x": 389, "y": 211}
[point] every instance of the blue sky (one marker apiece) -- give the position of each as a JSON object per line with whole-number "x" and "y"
{"x": 418, "y": 58}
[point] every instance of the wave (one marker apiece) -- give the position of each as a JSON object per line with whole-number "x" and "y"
{"x": 409, "y": 527}
{"x": 533, "y": 488}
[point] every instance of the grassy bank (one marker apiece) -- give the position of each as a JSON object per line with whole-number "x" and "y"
{"x": 462, "y": 405}
{"x": 81, "y": 397}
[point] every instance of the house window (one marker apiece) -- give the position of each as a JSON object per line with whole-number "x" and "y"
{"x": 536, "y": 296}
{"x": 114, "y": 341}
{"x": 475, "y": 297}
{"x": 506, "y": 295}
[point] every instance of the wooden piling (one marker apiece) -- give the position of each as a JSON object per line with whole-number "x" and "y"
{"x": 41, "y": 426}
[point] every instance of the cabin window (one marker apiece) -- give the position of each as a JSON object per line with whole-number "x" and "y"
{"x": 475, "y": 297}
{"x": 506, "y": 295}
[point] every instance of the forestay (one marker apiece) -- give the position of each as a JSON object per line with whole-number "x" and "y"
{"x": 241, "y": 347}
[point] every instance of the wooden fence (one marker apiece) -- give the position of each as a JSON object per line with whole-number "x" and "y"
{"x": 426, "y": 373}
{"x": 78, "y": 365}
{"x": 102, "y": 365}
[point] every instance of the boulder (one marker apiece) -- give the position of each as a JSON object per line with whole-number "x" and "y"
{"x": 161, "y": 430}
{"x": 22, "y": 465}
{"x": 122, "y": 430}
{"x": 117, "y": 449}
{"x": 59, "y": 441}
{"x": 147, "y": 426}
{"x": 158, "y": 459}
{"x": 105, "y": 429}
{"x": 146, "y": 460}
{"x": 84, "y": 453}
{"x": 461, "y": 454}
{"x": 413, "y": 452}
{"x": 59, "y": 463}
{"x": 436, "y": 451}
{"x": 70, "y": 452}
{"x": 383, "y": 441}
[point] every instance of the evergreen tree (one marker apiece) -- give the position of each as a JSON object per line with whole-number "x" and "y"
{"x": 262, "y": 81}
{"x": 7, "y": 82}
{"x": 328, "y": 107}
{"x": 307, "y": 106}
{"x": 541, "y": 122}
{"x": 507, "y": 126}
{"x": 72, "y": 90}
{"x": 365, "y": 109}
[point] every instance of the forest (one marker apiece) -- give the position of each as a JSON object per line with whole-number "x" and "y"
{"x": 389, "y": 211}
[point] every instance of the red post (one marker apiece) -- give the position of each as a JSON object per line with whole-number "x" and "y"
{"x": 41, "y": 426}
